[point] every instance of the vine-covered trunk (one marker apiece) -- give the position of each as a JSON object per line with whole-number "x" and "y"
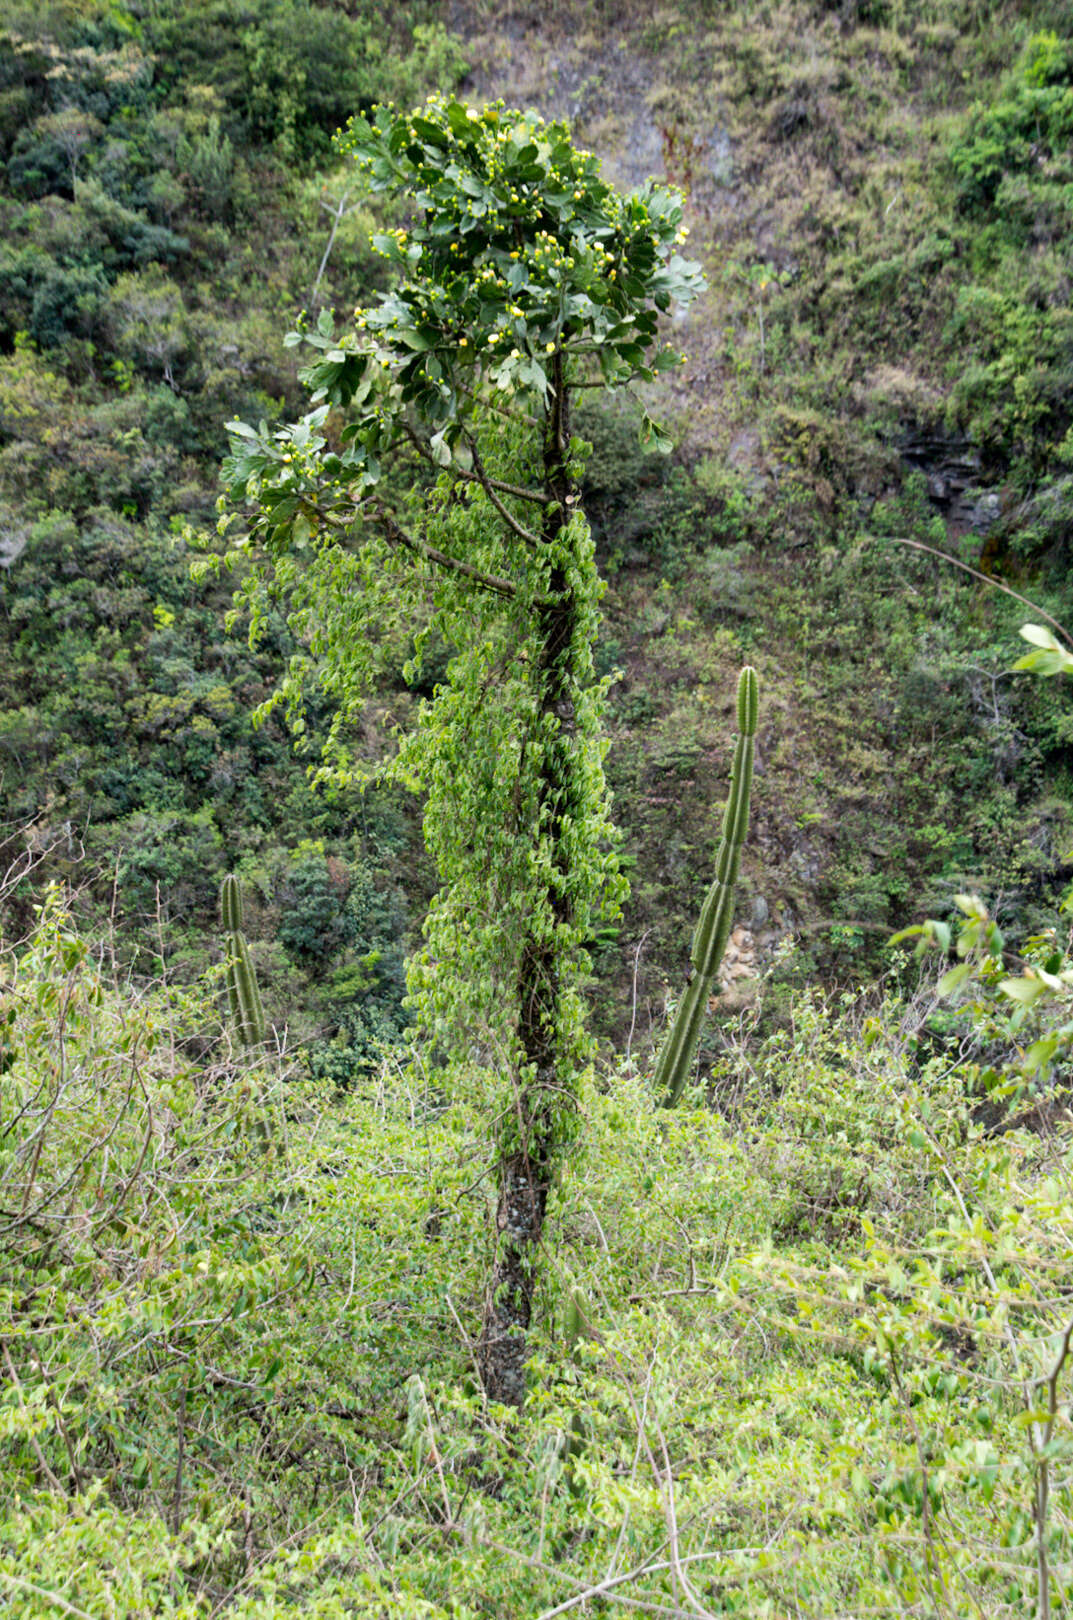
{"x": 528, "y": 1164}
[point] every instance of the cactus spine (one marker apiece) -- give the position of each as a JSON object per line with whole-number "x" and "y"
{"x": 717, "y": 913}
{"x": 243, "y": 995}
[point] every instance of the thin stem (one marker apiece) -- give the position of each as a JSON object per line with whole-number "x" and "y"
{"x": 481, "y": 477}
{"x": 43, "y": 1592}
{"x": 985, "y": 579}
{"x": 397, "y": 535}
{"x": 1042, "y": 1435}
{"x": 489, "y": 485}
{"x": 338, "y": 215}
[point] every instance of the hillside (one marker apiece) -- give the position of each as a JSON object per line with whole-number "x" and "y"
{"x": 880, "y": 356}
{"x": 800, "y": 1344}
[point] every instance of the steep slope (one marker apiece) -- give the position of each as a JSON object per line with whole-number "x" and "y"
{"x": 879, "y": 194}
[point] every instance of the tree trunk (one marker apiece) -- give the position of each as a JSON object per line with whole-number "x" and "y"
{"x": 527, "y": 1169}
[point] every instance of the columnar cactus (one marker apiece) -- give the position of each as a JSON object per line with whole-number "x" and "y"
{"x": 717, "y": 913}
{"x": 242, "y": 992}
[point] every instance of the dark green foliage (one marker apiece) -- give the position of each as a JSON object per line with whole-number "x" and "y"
{"x": 290, "y": 73}
{"x": 1027, "y": 131}
{"x": 141, "y": 276}
{"x": 316, "y": 921}
{"x": 641, "y": 507}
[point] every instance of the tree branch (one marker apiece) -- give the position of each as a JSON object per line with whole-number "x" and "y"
{"x": 489, "y": 487}
{"x": 499, "y": 410}
{"x": 537, "y": 496}
{"x": 397, "y": 535}
{"x": 480, "y": 476}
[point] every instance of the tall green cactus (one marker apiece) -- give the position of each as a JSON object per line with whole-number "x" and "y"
{"x": 243, "y": 994}
{"x": 717, "y": 913}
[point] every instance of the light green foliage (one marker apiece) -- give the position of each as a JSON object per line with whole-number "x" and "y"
{"x": 1048, "y": 657}
{"x": 478, "y": 749}
{"x": 815, "y": 1339}
{"x": 204, "y": 1282}
{"x": 958, "y": 1450}
{"x": 710, "y": 936}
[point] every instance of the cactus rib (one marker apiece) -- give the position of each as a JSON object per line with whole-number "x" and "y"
{"x": 717, "y": 913}
{"x": 243, "y": 994}
{"x": 231, "y": 904}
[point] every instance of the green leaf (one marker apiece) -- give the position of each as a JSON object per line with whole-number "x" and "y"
{"x": 413, "y": 339}
{"x": 1050, "y": 657}
{"x": 956, "y": 976}
{"x": 459, "y": 120}
{"x": 651, "y": 433}
{"x": 1040, "y": 1053}
{"x": 429, "y": 132}
{"x": 1026, "y": 991}
{"x": 1039, "y": 637}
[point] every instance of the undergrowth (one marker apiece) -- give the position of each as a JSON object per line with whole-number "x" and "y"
{"x": 796, "y": 1354}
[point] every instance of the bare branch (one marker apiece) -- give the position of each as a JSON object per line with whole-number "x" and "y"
{"x": 489, "y": 404}
{"x": 397, "y": 535}
{"x": 489, "y": 487}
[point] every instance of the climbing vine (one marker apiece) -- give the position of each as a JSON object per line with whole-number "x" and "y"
{"x": 434, "y": 485}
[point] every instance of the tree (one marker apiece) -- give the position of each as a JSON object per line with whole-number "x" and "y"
{"x": 436, "y": 484}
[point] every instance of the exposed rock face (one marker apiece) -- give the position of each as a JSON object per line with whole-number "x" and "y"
{"x": 739, "y": 958}
{"x": 953, "y": 469}
{"x": 610, "y": 93}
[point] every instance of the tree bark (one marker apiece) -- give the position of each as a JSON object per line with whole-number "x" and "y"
{"x": 527, "y": 1170}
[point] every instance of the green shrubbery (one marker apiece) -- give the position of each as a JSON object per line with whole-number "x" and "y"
{"x": 158, "y": 207}
{"x": 798, "y": 1352}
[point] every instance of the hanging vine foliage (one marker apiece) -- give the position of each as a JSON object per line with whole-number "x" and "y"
{"x": 434, "y": 488}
